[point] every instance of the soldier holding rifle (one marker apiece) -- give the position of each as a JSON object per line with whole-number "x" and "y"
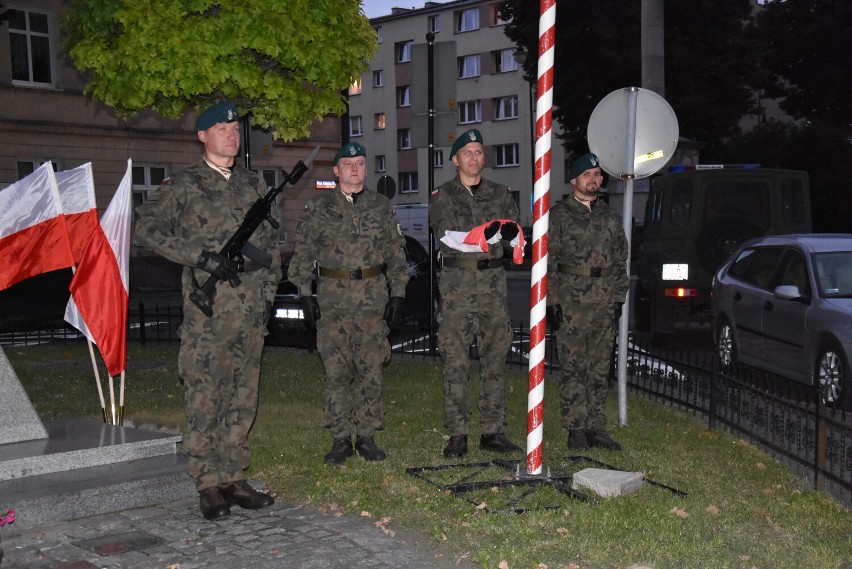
{"x": 188, "y": 221}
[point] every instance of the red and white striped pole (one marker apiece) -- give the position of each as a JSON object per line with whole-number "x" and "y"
{"x": 541, "y": 208}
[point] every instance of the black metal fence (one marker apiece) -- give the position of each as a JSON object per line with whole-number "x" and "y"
{"x": 785, "y": 418}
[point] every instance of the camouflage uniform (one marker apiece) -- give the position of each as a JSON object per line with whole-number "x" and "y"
{"x": 351, "y": 332}
{"x": 220, "y": 356}
{"x": 579, "y": 241}
{"x": 473, "y": 305}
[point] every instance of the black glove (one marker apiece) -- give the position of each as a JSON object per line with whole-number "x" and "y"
{"x": 310, "y": 311}
{"x": 616, "y": 312}
{"x": 219, "y": 266}
{"x": 509, "y": 231}
{"x": 554, "y": 316}
{"x": 393, "y": 311}
{"x": 492, "y": 229}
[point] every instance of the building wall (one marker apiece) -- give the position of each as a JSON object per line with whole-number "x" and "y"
{"x": 404, "y": 24}
{"x": 56, "y": 121}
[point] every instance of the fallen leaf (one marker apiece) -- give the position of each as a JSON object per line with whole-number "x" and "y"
{"x": 173, "y": 566}
{"x": 679, "y": 512}
{"x": 542, "y": 566}
{"x": 503, "y": 565}
{"x": 562, "y": 531}
{"x": 444, "y": 537}
{"x": 494, "y": 489}
{"x": 712, "y": 509}
{"x": 366, "y": 514}
{"x": 482, "y": 506}
{"x": 761, "y": 466}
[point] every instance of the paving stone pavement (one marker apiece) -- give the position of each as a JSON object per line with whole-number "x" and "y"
{"x": 175, "y": 536}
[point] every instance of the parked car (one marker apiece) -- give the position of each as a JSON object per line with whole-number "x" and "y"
{"x": 287, "y": 327}
{"x": 784, "y": 304}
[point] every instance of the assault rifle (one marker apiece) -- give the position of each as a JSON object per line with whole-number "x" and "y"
{"x": 238, "y": 245}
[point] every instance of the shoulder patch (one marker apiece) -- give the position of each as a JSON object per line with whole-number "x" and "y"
{"x": 300, "y": 225}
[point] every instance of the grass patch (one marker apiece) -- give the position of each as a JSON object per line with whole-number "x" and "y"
{"x": 743, "y": 509}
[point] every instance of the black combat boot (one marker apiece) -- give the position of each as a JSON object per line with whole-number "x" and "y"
{"x": 243, "y": 495}
{"x": 341, "y": 449}
{"x": 213, "y": 505}
{"x": 367, "y": 449}
{"x": 577, "y": 439}
{"x": 456, "y": 446}
{"x": 600, "y": 438}
{"x": 497, "y": 442}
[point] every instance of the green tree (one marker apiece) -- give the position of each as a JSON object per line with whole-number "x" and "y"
{"x": 709, "y": 60}
{"x": 804, "y": 45}
{"x": 286, "y": 62}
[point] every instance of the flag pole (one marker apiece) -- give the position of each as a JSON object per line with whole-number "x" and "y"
{"x": 121, "y": 401}
{"x": 97, "y": 380}
{"x": 541, "y": 209}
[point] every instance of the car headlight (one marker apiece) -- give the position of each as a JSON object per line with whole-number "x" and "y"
{"x": 675, "y": 271}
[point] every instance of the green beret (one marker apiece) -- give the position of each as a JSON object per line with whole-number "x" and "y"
{"x": 350, "y": 149}
{"x": 225, "y": 111}
{"x": 464, "y": 139}
{"x": 583, "y": 163}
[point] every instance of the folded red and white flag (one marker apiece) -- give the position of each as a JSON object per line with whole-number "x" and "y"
{"x": 476, "y": 236}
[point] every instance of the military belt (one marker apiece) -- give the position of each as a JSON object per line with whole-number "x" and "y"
{"x": 584, "y": 270}
{"x": 473, "y": 264}
{"x": 351, "y": 274}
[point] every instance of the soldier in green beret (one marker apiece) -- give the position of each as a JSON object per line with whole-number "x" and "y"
{"x": 587, "y": 279}
{"x": 188, "y": 221}
{"x": 349, "y": 234}
{"x": 473, "y": 297}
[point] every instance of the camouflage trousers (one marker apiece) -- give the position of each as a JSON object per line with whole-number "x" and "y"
{"x": 584, "y": 341}
{"x": 463, "y": 318}
{"x": 219, "y": 362}
{"x": 354, "y": 349}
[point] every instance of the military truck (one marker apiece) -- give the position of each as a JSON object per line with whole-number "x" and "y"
{"x": 694, "y": 219}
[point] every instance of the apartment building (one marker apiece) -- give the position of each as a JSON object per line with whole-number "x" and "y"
{"x": 477, "y": 83}
{"x": 46, "y": 117}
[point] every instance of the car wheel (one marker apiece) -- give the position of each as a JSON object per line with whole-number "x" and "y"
{"x": 725, "y": 346}
{"x": 832, "y": 372}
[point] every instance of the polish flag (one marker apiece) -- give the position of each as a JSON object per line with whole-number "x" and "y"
{"x": 77, "y": 195}
{"x": 33, "y": 239}
{"x": 99, "y": 288}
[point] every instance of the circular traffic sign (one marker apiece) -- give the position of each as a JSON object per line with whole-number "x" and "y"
{"x": 633, "y": 132}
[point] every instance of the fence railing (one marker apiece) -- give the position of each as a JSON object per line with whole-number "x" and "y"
{"x": 785, "y": 418}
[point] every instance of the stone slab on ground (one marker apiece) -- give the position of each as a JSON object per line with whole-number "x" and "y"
{"x": 607, "y": 483}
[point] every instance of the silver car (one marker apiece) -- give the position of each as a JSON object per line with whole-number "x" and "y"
{"x": 784, "y": 304}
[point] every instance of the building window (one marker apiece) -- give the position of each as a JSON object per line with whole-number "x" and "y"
{"x": 27, "y": 167}
{"x": 470, "y": 112}
{"x": 403, "y": 51}
{"x": 355, "y": 128}
{"x": 355, "y": 87}
{"x": 29, "y": 47}
{"x": 379, "y": 121}
{"x": 407, "y": 182}
{"x": 269, "y": 175}
{"x": 504, "y": 61}
{"x": 403, "y": 96}
{"x": 496, "y": 20}
{"x": 467, "y": 20}
{"x": 381, "y": 164}
{"x": 505, "y": 155}
{"x": 379, "y": 78}
{"x": 146, "y": 179}
{"x": 506, "y": 108}
{"x": 438, "y": 160}
{"x": 378, "y": 34}
{"x": 403, "y": 137}
{"x": 434, "y": 23}
{"x": 468, "y": 66}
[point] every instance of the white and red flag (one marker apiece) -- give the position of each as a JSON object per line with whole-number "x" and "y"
{"x": 77, "y": 196}
{"x": 33, "y": 238}
{"x": 99, "y": 288}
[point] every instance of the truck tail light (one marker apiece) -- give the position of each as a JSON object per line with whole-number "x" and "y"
{"x": 680, "y": 292}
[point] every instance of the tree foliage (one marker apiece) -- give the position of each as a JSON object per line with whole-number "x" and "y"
{"x": 286, "y": 62}
{"x": 805, "y": 44}
{"x": 709, "y": 60}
